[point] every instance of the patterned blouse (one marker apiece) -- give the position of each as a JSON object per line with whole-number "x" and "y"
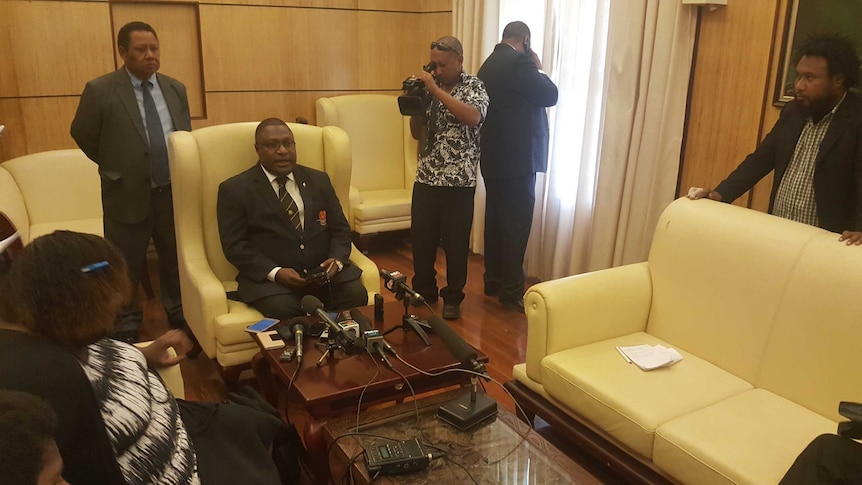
{"x": 454, "y": 146}
{"x": 140, "y": 415}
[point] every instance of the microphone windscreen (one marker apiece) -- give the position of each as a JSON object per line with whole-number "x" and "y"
{"x": 300, "y": 320}
{"x": 285, "y": 332}
{"x": 363, "y": 321}
{"x": 310, "y": 304}
{"x": 457, "y": 345}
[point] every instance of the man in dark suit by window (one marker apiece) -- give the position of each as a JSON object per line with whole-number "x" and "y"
{"x": 282, "y": 226}
{"x": 514, "y": 148}
{"x": 122, "y": 123}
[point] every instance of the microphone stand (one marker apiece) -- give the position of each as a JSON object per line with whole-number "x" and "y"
{"x": 409, "y": 321}
{"x": 470, "y": 409}
{"x": 332, "y": 344}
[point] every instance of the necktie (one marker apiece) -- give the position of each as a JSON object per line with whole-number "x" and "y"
{"x": 159, "y": 170}
{"x": 288, "y": 204}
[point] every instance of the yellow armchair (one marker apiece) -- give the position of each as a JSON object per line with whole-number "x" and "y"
{"x": 384, "y": 159}
{"x": 46, "y": 191}
{"x": 200, "y": 160}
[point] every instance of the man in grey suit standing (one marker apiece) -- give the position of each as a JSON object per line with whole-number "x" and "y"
{"x": 122, "y": 123}
{"x": 514, "y": 148}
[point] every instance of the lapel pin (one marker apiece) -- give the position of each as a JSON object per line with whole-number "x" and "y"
{"x": 321, "y": 218}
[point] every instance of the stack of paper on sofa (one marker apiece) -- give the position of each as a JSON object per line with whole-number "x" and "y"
{"x": 766, "y": 313}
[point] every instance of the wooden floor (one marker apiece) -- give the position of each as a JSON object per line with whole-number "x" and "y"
{"x": 499, "y": 332}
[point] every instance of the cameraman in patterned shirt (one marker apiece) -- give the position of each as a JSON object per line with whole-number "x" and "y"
{"x": 442, "y": 208}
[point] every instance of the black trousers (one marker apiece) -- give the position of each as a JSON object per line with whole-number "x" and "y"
{"x": 508, "y": 219}
{"x": 441, "y": 213}
{"x": 133, "y": 240}
{"x": 829, "y": 458}
{"x": 334, "y": 296}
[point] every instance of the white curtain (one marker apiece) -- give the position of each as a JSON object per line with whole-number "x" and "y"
{"x": 622, "y": 69}
{"x": 476, "y": 24}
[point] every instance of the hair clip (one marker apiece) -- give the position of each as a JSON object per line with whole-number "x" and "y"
{"x": 95, "y": 266}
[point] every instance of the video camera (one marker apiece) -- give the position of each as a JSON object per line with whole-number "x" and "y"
{"x": 415, "y": 99}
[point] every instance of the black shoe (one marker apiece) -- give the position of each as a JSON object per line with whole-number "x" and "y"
{"x": 451, "y": 311}
{"x": 492, "y": 289}
{"x": 517, "y": 305}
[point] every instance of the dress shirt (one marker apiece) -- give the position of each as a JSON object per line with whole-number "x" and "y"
{"x": 795, "y": 199}
{"x": 293, "y": 190}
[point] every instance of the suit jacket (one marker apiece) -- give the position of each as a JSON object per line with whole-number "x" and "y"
{"x": 109, "y": 129}
{"x": 256, "y": 235}
{"x": 515, "y": 134}
{"x": 838, "y": 165}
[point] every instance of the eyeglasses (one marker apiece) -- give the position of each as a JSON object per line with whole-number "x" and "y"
{"x": 444, "y": 47}
{"x": 274, "y": 145}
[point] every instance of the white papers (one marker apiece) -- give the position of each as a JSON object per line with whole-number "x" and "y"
{"x": 649, "y": 357}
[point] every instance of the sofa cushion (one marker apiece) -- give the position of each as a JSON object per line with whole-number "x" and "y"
{"x": 813, "y": 353}
{"x": 751, "y": 438}
{"x": 626, "y": 402}
{"x": 87, "y": 226}
{"x": 383, "y": 204}
{"x": 718, "y": 274}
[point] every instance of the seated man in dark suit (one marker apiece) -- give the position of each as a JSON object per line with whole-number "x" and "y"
{"x": 282, "y": 226}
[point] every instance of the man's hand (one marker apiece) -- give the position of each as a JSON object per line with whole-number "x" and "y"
{"x": 290, "y": 278}
{"x": 695, "y": 193}
{"x": 852, "y": 237}
{"x": 157, "y": 354}
{"x": 535, "y": 58}
{"x": 430, "y": 82}
{"x": 331, "y": 267}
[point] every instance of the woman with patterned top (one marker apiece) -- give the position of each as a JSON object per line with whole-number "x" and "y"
{"x": 67, "y": 288}
{"x": 445, "y": 184}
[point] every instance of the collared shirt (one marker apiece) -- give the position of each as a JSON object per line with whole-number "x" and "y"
{"x": 158, "y": 98}
{"x": 454, "y": 153}
{"x": 293, "y": 190}
{"x": 795, "y": 198}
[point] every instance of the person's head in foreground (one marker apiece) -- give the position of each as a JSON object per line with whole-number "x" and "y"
{"x": 28, "y": 453}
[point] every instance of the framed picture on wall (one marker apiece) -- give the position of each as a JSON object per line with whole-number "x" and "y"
{"x": 806, "y": 17}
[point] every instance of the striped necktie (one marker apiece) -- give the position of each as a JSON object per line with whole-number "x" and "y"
{"x": 288, "y": 204}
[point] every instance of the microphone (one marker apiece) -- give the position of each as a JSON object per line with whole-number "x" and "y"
{"x": 395, "y": 281}
{"x": 363, "y": 321}
{"x": 297, "y": 327}
{"x": 459, "y": 348}
{"x": 365, "y": 324}
{"x": 313, "y": 306}
{"x": 473, "y": 408}
{"x": 371, "y": 338}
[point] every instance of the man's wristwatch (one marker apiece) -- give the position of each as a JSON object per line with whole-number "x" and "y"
{"x": 339, "y": 265}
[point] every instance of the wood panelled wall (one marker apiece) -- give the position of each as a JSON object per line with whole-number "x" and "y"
{"x": 241, "y": 60}
{"x": 732, "y": 91}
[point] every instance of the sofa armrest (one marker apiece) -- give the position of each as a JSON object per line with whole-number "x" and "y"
{"x": 586, "y": 308}
{"x": 370, "y": 274}
{"x": 204, "y": 298}
{"x": 171, "y": 375}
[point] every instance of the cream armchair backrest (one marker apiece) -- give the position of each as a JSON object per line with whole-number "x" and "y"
{"x": 384, "y": 159}
{"x": 200, "y": 160}
{"x": 46, "y": 191}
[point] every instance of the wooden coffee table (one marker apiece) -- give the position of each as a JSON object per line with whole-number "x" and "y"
{"x": 334, "y": 388}
{"x": 501, "y": 451}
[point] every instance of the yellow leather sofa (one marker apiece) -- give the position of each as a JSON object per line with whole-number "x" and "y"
{"x": 200, "y": 160}
{"x": 766, "y": 313}
{"x": 59, "y": 190}
{"x": 384, "y": 159}
{"x": 46, "y": 191}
